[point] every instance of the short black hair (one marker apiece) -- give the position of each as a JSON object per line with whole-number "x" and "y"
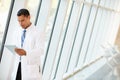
{"x": 24, "y": 12}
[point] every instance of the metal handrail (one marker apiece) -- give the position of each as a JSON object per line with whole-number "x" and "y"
{"x": 68, "y": 75}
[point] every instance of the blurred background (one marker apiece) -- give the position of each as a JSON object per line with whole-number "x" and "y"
{"x": 82, "y": 37}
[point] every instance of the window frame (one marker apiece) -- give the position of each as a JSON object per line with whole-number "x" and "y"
{"x": 6, "y": 28}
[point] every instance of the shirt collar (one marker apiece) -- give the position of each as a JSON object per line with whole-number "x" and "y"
{"x": 29, "y": 28}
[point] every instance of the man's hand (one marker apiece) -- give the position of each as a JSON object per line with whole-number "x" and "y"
{"x": 20, "y": 52}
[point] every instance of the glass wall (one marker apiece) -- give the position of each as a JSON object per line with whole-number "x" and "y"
{"x": 75, "y": 30}
{"x": 4, "y": 12}
{"x": 76, "y": 38}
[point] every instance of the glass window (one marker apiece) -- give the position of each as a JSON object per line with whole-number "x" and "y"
{"x": 96, "y": 1}
{"x": 88, "y": 0}
{"x": 4, "y": 10}
{"x": 51, "y": 18}
{"x": 32, "y": 8}
{"x": 83, "y": 22}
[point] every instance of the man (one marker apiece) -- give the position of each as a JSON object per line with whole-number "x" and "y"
{"x": 30, "y": 46}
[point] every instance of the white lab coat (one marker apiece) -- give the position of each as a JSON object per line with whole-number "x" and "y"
{"x": 34, "y": 47}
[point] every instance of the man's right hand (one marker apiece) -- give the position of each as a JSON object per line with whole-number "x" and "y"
{"x": 20, "y": 51}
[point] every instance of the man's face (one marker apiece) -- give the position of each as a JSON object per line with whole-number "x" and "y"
{"x": 24, "y": 21}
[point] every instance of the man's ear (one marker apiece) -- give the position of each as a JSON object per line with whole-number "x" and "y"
{"x": 29, "y": 17}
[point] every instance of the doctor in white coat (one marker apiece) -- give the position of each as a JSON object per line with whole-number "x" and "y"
{"x": 29, "y": 50}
